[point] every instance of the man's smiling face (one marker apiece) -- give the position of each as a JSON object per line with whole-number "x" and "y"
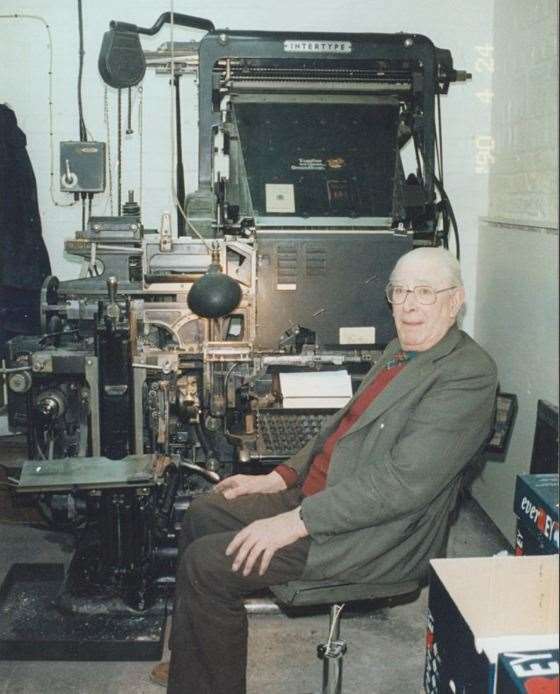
{"x": 420, "y": 326}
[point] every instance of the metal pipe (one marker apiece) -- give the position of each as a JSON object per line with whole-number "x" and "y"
{"x": 15, "y": 369}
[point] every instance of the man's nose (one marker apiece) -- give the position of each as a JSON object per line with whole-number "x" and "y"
{"x": 410, "y": 301}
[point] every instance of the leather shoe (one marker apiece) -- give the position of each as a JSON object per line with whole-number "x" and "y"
{"x": 160, "y": 674}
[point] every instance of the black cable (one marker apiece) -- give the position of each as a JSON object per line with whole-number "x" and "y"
{"x": 82, "y": 125}
{"x": 440, "y": 136}
{"x": 437, "y": 155}
{"x": 437, "y": 125}
{"x": 449, "y": 208}
{"x": 419, "y": 173}
{"x": 180, "y": 169}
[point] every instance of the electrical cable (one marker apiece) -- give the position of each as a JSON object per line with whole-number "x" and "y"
{"x": 447, "y": 207}
{"x": 438, "y": 162}
{"x": 448, "y": 215}
{"x": 50, "y": 102}
{"x": 451, "y": 213}
{"x": 82, "y": 125}
{"x": 439, "y": 134}
{"x": 419, "y": 173}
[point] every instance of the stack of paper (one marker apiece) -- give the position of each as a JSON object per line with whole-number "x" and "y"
{"x": 315, "y": 389}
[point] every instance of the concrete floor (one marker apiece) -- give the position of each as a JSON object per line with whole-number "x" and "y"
{"x": 385, "y": 647}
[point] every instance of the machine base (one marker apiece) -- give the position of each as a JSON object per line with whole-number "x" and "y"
{"x": 33, "y": 628}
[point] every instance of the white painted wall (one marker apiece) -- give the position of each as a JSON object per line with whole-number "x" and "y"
{"x": 462, "y": 27}
{"x": 517, "y": 299}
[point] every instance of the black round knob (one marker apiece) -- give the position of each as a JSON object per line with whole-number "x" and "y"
{"x": 214, "y": 295}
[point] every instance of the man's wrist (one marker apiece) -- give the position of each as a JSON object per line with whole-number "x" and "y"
{"x": 288, "y": 475}
{"x": 277, "y": 482}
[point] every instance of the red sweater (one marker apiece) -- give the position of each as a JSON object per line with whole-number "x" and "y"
{"x": 316, "y": 479}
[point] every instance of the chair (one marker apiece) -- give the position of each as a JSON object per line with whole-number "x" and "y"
{"x": 335, "y": 594}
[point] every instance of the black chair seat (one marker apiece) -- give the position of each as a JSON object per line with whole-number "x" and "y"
{"x": 302, "y": 593}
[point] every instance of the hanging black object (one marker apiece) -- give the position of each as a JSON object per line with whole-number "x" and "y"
{"x": 121, "y": 58}
{"x": 180, "y": 169}
{"x": 214, "y": 295}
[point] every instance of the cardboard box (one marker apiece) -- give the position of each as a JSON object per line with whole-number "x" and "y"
{"x": 479, "y": 608}
{"x": 533, "y": 672}
{"x": 528, "y": 542}
{"x": 536, "y": 507}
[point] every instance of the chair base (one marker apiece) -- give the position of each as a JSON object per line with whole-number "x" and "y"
{"x": 308, "y": 593}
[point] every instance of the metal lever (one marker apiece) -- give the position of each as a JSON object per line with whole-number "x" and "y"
{"x": 112, "y": 310}
{"x": 112, "y": 286}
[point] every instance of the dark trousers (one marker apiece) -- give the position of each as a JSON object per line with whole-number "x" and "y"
{"x": 209, "y": 632}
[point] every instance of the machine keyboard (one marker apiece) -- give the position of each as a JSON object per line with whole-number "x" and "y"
{"x": 281, "y": 433}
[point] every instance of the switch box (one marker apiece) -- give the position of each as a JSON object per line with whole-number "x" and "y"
{"x": 82, "y": 167}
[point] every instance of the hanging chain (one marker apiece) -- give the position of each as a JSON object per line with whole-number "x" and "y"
{"x": 129, "y": 129}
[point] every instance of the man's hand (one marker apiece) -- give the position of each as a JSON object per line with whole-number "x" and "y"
{"x": 263, "y": 538}
{"x": 238, "y": 485}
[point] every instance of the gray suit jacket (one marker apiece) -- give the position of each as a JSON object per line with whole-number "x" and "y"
{"x": 394, "y": 476}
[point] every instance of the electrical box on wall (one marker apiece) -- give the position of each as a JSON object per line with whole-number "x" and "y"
{"x": 82, "y": 167}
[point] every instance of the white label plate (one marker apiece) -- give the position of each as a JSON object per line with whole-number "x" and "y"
{"x": 357, "y": 336}
{"x": 310, "y": 46}
{"x": 280, "y": 198}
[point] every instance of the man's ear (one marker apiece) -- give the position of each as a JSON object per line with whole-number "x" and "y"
{"x": 457, "y": 301}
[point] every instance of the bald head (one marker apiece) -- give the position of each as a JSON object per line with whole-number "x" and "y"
{"x": 439, "y": 262}
{"x": 430, "y": 295}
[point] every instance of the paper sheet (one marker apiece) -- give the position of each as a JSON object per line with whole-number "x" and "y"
{"x": 315, "y": 389}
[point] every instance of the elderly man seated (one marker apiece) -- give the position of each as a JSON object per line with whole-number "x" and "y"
{"x": 368, "y": 499}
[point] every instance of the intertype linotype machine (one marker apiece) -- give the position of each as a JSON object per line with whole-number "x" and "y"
{"x": 160, "y": 370}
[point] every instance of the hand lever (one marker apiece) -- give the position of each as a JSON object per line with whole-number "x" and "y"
{"x": 112, "y": 311}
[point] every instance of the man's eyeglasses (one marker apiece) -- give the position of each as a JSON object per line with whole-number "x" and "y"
{"x": 396, "y": 293}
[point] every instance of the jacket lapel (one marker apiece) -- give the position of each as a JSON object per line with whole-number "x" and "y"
{"x": 418, "y": 369}
{"x": 392, "y": 348}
